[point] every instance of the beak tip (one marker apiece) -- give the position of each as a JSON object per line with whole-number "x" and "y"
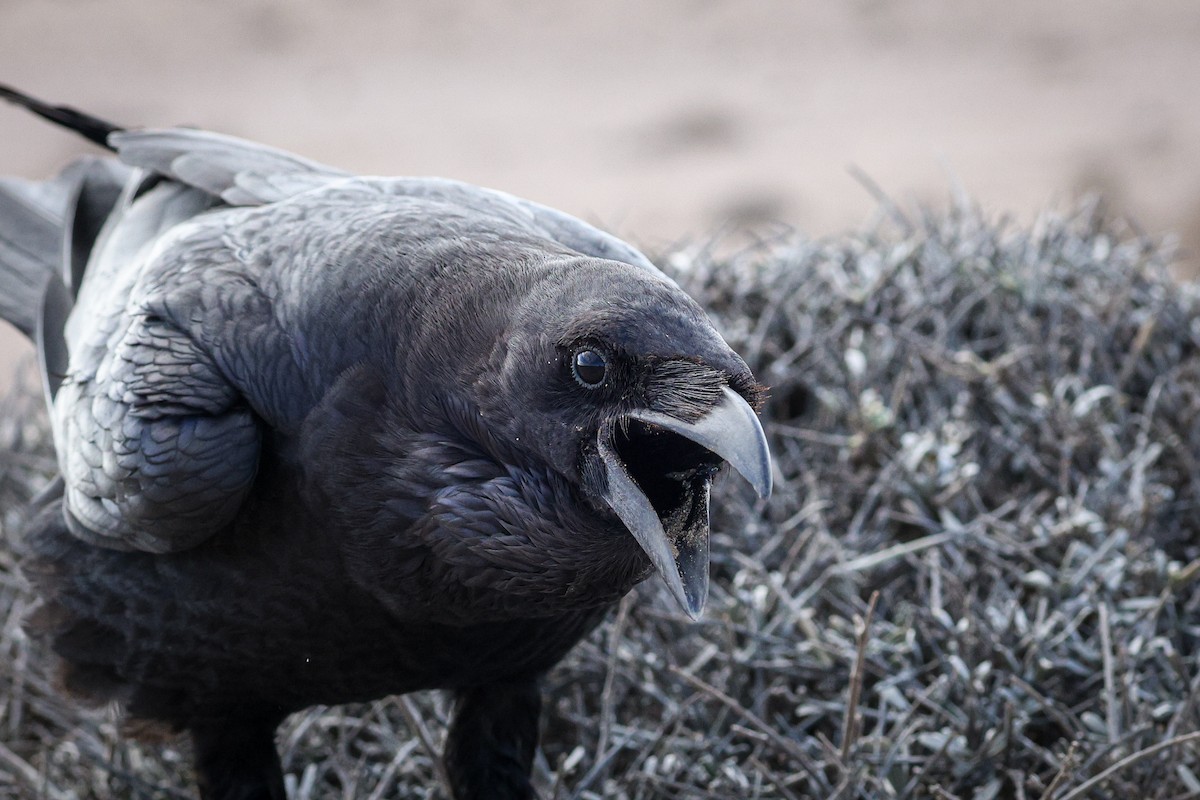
{"x": 763, "y": 488}
{"x": 697, "y": 598}
{"x": 687, "y": 579}
{"x": 691, "y": 600}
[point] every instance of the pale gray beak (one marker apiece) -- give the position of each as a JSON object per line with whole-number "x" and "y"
{"x": 730, "y": 430}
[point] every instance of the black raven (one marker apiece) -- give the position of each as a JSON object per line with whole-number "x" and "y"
{"x": 324, "y": 438}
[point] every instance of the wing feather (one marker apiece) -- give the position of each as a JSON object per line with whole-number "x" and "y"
{"x": 238, "y": 171}
{"x": 158, "y": 421}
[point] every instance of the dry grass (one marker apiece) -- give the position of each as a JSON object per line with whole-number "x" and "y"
{"x": 976, "y": 579}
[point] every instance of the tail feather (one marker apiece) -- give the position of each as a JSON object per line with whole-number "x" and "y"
{"x": 53, "y": 356}
{"x": 49, "y": 228}
{"x": 31, "y": 235}
{"x": 86, "y": 125}
{"x": 97, "y": 193}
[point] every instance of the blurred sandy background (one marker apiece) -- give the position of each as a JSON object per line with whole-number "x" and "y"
{"x": 659, "y": 120}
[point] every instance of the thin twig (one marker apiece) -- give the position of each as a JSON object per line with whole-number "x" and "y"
{"x": 30, "y": 775}
{"x": 850, "y": 720}
{"x": 778, "y": 781}
{"x": 881, "y": 197}
{"x": 782, "y": 742}
{"x": 1110, "y": 690}
{"x": 1069, "y": 762}
{"x": 872, "y": 560}
{"x": 1128, "y": 761}
{"x": 409, "y": 709}
{"x": 610, "y": 673}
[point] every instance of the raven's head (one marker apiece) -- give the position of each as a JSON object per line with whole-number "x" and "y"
{"x": 636, "y": 400}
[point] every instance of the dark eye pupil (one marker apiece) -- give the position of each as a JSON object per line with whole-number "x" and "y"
{"x": 589, "y": 367}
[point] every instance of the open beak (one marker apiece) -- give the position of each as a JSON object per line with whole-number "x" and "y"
{"x": 674, "y": 530}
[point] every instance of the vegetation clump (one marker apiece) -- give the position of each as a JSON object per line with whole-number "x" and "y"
{"x": 977, "y": 577}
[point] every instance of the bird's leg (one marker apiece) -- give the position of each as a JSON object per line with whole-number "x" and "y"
{"x": 490, "y": 747}
{"x": 236, "y": 759}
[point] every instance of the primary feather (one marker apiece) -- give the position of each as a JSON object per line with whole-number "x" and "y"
{"x": 320, "y": 440}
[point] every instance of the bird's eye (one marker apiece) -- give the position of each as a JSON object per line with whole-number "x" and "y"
{"x": 589, "y": 367}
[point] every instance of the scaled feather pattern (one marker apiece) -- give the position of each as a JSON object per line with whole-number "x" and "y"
{"x": 323, "y": 438}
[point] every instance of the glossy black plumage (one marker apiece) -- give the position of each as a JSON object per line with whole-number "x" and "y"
{"x": 321, "y": 440}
